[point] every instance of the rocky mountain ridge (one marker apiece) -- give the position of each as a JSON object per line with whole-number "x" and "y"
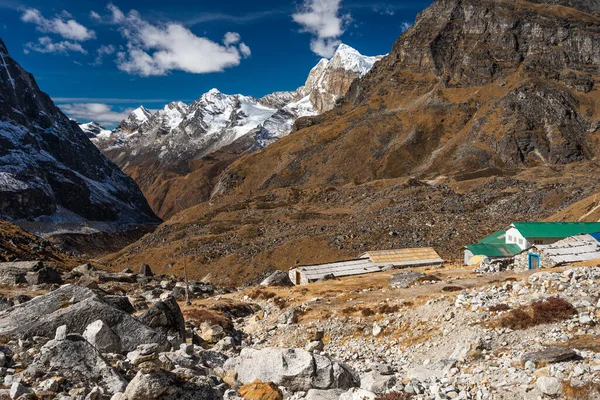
{"x": 483, "y": 113}
{"x": 472, "y": 85}
{"x": 171, "y": 142}
{"x": 51, "y": 176}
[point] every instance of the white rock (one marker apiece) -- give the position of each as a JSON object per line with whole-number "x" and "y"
{"x": 549, "y": 385}
{"x": 17, "y": 390}
{"x": 377, "y": 329}
{"x": 357, "y": 394}
{"x": 61, "y": 333}
{"x": 102, "y": 337}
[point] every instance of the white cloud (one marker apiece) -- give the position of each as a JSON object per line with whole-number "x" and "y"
{"x": 104, "y": 51}
{"x": 112, "y": 100}
{"x": 231, "y": 38}
{"x": 95, "y": 16}
{"x": 47, "y": 45}
{"x": 159, "y": 49}
{"x": 405, "y": 26}
{"x": 245, "y": 50}
{"x": 322, "y": 19}
{"x": 117, "y": 15}
{"x": 384, "y": 9}
{"x": 62, "y": 24}
{"x": 102, "y": 113}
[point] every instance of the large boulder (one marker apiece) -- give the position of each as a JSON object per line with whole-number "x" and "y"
{"x": 165, "y": 385}
{"x": 78, "y": 361}
{"x": 377, "y": 383}
{"x": 43, "y": 275}
{"x": 165, "y": 316}
{"x": 76, "y": 307}
{"x": 277, "y": 278}
{"x": 295, "y": 369}
{"x": 145, "y": 271}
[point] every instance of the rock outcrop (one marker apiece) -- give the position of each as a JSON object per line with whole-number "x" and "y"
{"x": 76, "y": 308}
{"x": 49, "y": 170}
{"x": 472, "y": 85}
{"x": 295, "y": 369}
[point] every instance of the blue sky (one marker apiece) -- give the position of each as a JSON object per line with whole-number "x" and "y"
{"x": 100, "y": 59}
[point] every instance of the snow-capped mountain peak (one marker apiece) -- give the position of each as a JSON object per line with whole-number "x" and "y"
{"x": 349, "y": 59}
{"x": 93, "y": 129}
{"x": 179, "y": 132}
{"x": 140, "y": 114}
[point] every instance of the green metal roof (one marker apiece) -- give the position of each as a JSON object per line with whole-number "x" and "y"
{"x": 495, "y": 238}
{"x": 555, "y": 230}
{"x": 494, "y": 250}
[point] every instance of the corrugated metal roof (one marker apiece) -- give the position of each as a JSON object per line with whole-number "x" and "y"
{"x": 494, "y": 250}
{"x": 498, "y": 237}
{"x": 339, "y": 269}
{"x": 572, "y": 249}
{"x": 403, "y": 255}
{"x": 555, "y": 230}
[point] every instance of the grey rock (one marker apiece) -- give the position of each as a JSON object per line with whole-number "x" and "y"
{"x": 212, "y": 359}
{"x": 145, "y": 271}
{"x": 165, "y": 316}
{"x": 549, "y": 385}
{"x": 295, "y": 369}
{"x": 225, "y": 344}
{"x": 357, "y": 394}
{"x": 78, "y": 361}
{"x": 17, "y": 390}
{"x": 314, "y": 346}
{"x": 277, "y": 278}
{"x": 43, "y": 275}
{"x": 377, "y": 383}
{"x": 120, "y": 302}
{"x": 405, "y": 279}
{"x": 76, "y": 307}
{"x": 289, "y": 317}
{"x": 318, "y": 394}
{"x": 95, "y": 394}
{"x": 85, "y": 269}
{"x": 165, "y": 385}
{"x": 102, "y": 337}
{"x": 550, "y": 355}
{"x": 61, "y": 333}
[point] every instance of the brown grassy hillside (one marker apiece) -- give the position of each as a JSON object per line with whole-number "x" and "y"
{"x": 485, "y": 112}
{"x": 18, "y": 245}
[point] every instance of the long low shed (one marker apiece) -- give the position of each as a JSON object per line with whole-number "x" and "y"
{"x": 368, "y": 263}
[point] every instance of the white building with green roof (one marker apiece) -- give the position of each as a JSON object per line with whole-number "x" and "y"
{"x": 520, "y": 236}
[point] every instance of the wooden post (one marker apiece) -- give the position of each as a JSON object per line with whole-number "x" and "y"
{"x": 187, "y": 294}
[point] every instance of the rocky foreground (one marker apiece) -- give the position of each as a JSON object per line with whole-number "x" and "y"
{"x": 444, "y": 334}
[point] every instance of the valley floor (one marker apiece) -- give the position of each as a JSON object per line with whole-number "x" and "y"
{"x": 447, "y": 333}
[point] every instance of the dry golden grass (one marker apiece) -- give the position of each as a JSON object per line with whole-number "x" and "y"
{"x": 590, "y": 391}
{"x": 547, "y": 311}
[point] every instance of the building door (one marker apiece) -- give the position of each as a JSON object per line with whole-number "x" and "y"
{"x": 298, "y": 277}
{"x": 534, "y": 261}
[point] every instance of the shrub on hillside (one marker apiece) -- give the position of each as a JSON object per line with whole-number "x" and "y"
{"x": 546, "y": 311}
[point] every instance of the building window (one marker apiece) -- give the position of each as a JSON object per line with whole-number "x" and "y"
{"x": 521, "y": 242}
{"x": 538, "y": 241}
{"x": 510, "y": 238}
